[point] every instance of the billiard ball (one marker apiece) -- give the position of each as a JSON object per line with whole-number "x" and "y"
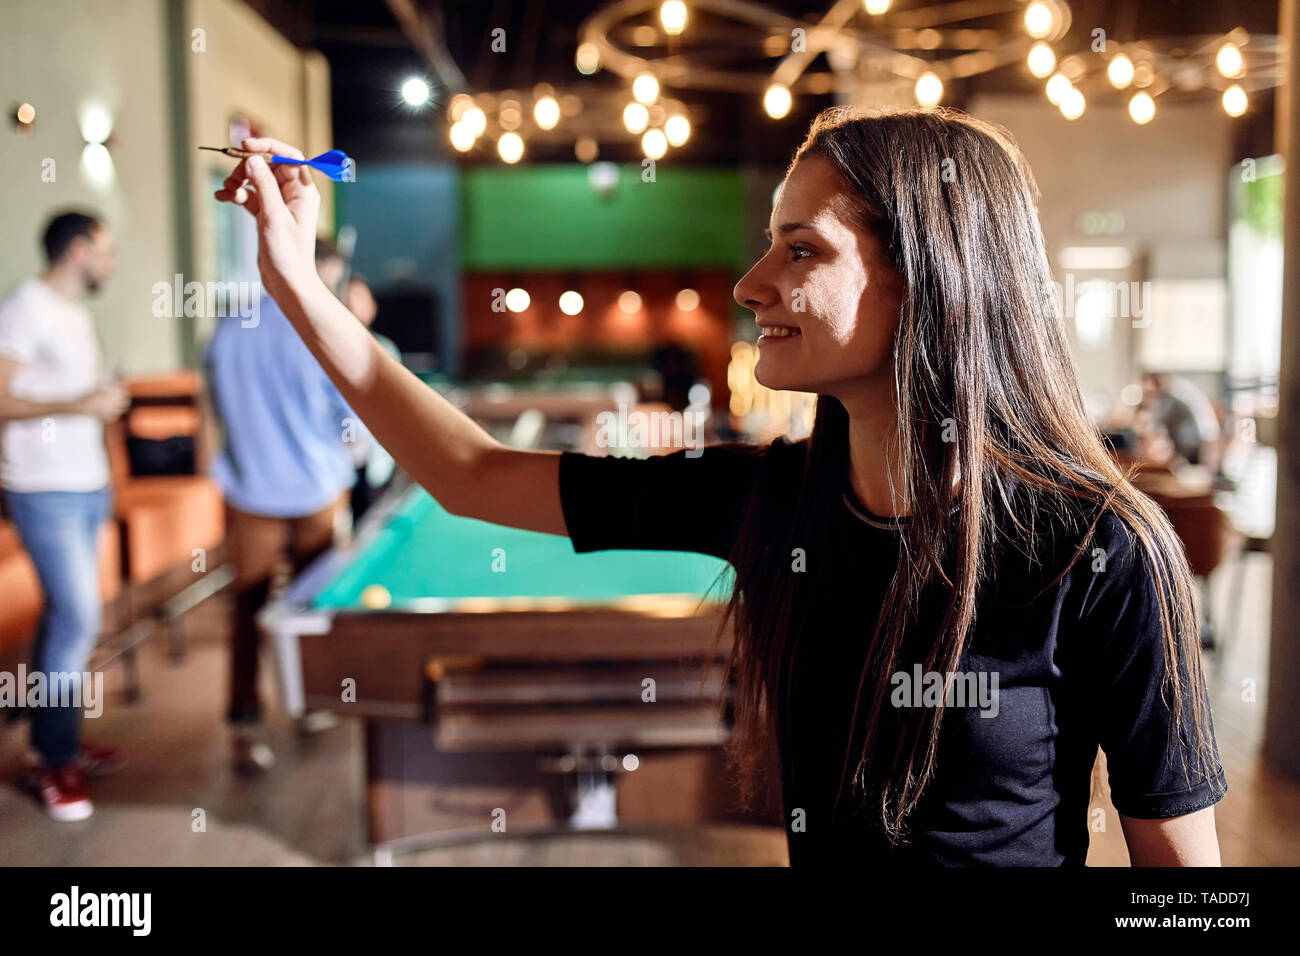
{"x": 376, "y": 597}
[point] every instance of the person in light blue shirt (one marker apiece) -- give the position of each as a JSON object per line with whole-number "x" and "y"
{"x": 285, "y": 470}
{"x": 373, "y": 463}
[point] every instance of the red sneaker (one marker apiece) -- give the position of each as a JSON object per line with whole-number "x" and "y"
{"x": 97, "y": 761}
{"x": 64, "y": 793}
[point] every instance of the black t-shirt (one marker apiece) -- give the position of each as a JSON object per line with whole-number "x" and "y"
{"x": 1076, "y": 666}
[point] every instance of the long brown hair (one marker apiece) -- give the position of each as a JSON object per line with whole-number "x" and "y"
{"x": 980, "y": 354}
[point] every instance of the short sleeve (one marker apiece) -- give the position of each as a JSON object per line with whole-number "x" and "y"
{"x": 18, "y": 329}
{"x": 685, "y": 501}
{"x": 1152, "y": 774}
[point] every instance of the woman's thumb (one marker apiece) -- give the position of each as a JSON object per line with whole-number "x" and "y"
{"x": 264, "y": 181}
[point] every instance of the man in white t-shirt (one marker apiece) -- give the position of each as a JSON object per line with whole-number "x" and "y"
{"x": 54, "y": 402}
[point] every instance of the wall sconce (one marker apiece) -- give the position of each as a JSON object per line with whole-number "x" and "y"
{"x": 24, "y": 117}
{"x": 97, "y": 133}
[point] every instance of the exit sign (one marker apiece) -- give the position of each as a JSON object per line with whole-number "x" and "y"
{"x": 1100, "y": 222}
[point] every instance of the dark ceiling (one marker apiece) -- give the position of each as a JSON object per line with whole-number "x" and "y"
{"x": 370, "y": 57}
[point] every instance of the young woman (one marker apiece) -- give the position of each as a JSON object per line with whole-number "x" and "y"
{"x": 948, "y": 596}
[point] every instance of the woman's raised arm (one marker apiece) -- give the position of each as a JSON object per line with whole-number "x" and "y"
{"x": 462, "y": 466}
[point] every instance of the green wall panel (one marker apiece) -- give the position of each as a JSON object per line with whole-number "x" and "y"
{"x": 549, "y": 217}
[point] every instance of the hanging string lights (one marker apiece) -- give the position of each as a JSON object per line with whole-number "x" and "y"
{"x": 876, "y": 52}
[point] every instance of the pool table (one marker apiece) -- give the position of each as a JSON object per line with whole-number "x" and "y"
{"x": 571, "y": 399}
{"x": 495, "y": 667}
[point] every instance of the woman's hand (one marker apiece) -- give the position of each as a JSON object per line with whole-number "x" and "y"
{"x": 286, "y": 204}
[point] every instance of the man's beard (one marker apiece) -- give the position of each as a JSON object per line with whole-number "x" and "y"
{"x": 91, "y": 284}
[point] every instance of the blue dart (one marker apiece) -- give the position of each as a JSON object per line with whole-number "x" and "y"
{"x": 335, "y": 163}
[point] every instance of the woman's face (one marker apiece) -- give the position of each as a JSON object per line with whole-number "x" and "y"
{"x": 825, "y": 299}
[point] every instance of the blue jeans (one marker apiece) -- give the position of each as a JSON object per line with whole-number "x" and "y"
{"x": 60, "y": 530}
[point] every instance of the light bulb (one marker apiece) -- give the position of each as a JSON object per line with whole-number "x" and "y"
{"x": 777, "y": 101}
{"x": 1234, "y": 100}
{"x": 654, "y": 143}
{"x": 672, "y": 14}
{"x": 1041, "y": 60}
{"x": 511, "y": 147}
{"x": 645, "y": 88}
{"x": 635, "y": 117}
{"x": 546, "y": 112}
{"x": 929, "y": 89}
{"x": 1142, "y": 108}
{"x": 415, "y": 91}
{"x": 1120, "y": 72}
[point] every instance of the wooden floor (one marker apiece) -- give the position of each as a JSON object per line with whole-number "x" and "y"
{"x": 308, "y": 809}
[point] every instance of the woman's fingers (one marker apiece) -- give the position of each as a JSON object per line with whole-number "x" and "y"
{"x": 268, "y": 188}
{"x": 248, "y": 199}
{"x": 237, "y": 178}
{"x": 284, "y": 173}
{"x": 236, "y": 190}
{"x": 264, "y": 144}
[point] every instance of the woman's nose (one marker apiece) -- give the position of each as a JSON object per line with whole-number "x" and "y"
{"x": 748, "y": 292}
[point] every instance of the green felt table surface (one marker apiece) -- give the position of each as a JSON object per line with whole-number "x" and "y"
{"x": 422, "y": 552}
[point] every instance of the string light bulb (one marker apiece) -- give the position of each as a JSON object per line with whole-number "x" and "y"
{"x": 635, "y": 117}
{"x": 475, "y": 120}
{"x": 1234, "y": 100}
{"x": 1038, "y": 20}
{"x": 1057, "y": 87}
{"x": 677, "y": 129}
{"x": 587, "y": 58}
{"x": 645, "y": 88}
{"x": 1041, "y": 60}
{"x": 511, "y": 147}
{"x": 1228, "y": 60}
{"x": 672, "y": 15}
{"x": 777, "y": 101}
{"x": 1073, "y": 104}
{"x": 1120, "y": 72}
{"x": 1142, "y": 108}
{"x": 929, "y": 89}
{"x": 654, "y": 143}
{"x": 546, "y": 112}
{"x": 462, "y": 137}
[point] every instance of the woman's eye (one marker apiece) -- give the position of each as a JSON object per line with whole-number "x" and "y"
{"x": 799, "y": 252}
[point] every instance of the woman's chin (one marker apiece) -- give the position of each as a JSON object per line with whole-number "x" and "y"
{"x": 771, "y": 375}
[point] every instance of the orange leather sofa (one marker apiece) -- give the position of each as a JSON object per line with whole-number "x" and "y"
{"x": 20, "y": 610}
{"x": 172, "y": 526}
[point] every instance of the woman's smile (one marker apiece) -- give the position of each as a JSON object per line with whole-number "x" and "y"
{"x": 776, "y": 333}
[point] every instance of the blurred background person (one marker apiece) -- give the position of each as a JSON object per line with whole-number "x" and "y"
{"x": 1184, "y": 415}
{"x": 285, "y": 470}
{"x": 374, "y": 466}
{"x": 54, "y": 469}
{"x": 677, "y": 371}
